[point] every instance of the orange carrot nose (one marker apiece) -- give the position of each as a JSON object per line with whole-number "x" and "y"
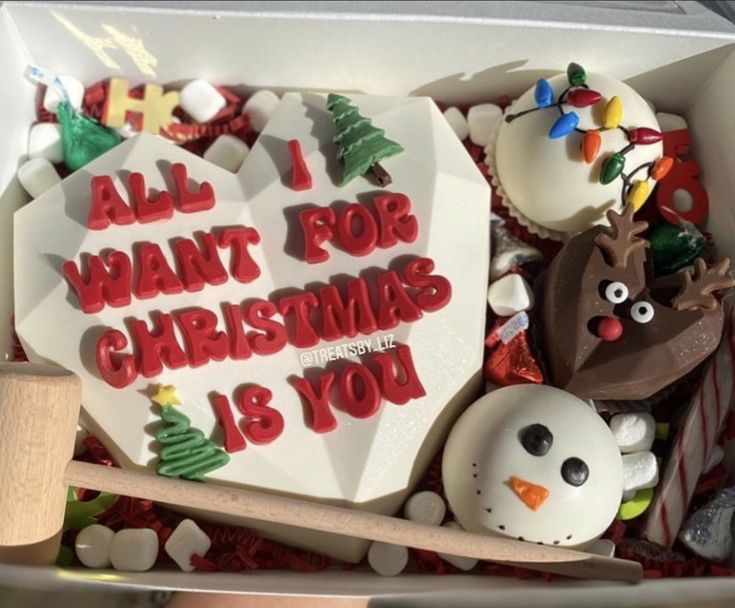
{"x": 534, "y": 496}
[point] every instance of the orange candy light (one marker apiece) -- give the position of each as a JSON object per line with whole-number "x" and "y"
{"x": 591, "y": 145}
{"x": 661, "y": 167}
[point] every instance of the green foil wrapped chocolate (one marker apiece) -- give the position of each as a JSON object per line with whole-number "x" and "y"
{"x": 83, "y": 138}
{"x": 674, "y": 247}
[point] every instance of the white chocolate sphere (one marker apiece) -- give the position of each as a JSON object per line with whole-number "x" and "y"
{"x": 547, "y": 180}
{"x": 485, "y": 451}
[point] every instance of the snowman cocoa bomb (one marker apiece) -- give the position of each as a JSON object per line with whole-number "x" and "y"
{"x": 572, "y": 147}
{"x": 534, "y": 463}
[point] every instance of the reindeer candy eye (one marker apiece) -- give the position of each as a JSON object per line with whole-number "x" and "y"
{"x": 642, "y": 312}
{"x": 616, "y": 292}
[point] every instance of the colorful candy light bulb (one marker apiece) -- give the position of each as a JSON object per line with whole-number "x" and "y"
{"x": 611, "y": 168}
{"x": 644, "y": 136}
{"x": 638, "y": 194}
{"x": 576, "y": 74}
{"x": 591, "y": 145}
{"x": 565, "y": 124}
{"x": 661, "y": 167}
{"x": 581, "y": 98}
{"x": 543, "y": 94}
{"x": 613, "y": 113}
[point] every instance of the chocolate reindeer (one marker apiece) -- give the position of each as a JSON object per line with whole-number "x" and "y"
{"x": 611, "y": 330}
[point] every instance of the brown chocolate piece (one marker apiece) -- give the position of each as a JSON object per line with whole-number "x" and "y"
{"x": 685, "y": 328}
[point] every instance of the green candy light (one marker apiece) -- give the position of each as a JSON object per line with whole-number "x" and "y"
{"x": 611, "y": 168}
{"x": 576, "y": 75}
{"x": 83, "y": 138}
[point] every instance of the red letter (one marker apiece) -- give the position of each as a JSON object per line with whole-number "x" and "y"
{"x": 244, "y": 268}
{"x": 190, "y": 202}
{"x": 106, "y": 206}
{"x": 158, "y": 348}
{"x": 258, "y": 317}
{"x": 436, "y": 291}
{"x": 392, "y": 390}
{"x": 239, "y": 346}
{"x": 198, "y": 266}
{"x": 102, "y": 286}
{"x": 395, "y": 221}
{"x": 369, "y": 403}
{"x": 300, "y": 176}
{"x": 394, "y": 305}
{"x": 160, "y": 207}
{"x": 316, "y": 225}
{"x": 304, "y": 333}
{"x": 338, "y": 319}
{"x": 266, "y": 423}
{"x": 203, "y": 341}
{"x": 322, "y": 419}
{"x": 355, "y": 244}
{"x": 124, "y": 373}
{"x": 154, "y": 275}
{"x": 234, "y": 441}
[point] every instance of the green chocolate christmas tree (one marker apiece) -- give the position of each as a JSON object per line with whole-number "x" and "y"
{"x": 82, "y": 137}
{"x": 361, "y": 145}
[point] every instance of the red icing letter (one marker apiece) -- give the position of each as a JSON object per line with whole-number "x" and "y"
{"x": 244, "y": 268}
{"x": 300, "y": 176}
{"x": 234, "y": 441}
{"x": 116, "y": 375}
{"x": 357, "y": 244}
{"x": 266, "y": 423}
{"x": 394, "y": 305}
{"x": 154, "y": 275}
{"x": 200, "y": 266}
{"x": 317, "y": 227}
{"x": 304, "y": 333}
{"x": 203, "y": 341}
{"x": 322, "y": 419}
{"x": 258, "y": 317}
{"x": 190, "y": 202}
{"x": 340, "y": 320}
{"x": 111, "y": 286}
{"x": 156, "y": 349}
{"x": 436, "y": 291}
{"x": 392, "y": 390}
{"x": 106, "y": 206}
{"x": 366, "y": 405}
{"x": 395, "y": 221}
{"x": 239, "y": 346}
{"x": 160, "y": 207}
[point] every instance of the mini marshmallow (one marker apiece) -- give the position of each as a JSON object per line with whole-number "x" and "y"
{"x": 74, "y": 89}
{"x": 134, "y": 549}
{"x": 640, "y": 470}
{"x": 425, "y": 508}
{"x": 259, "y": 106}
{"x": 37, "y": 175}
{"x": 629, "y": 495}
{"x": 186, "y": 540}
{"x": 458, "y": 122}
{"x": 44, "y": 141}
{"x": 633, "y": 431}
{"x": 509, "y": 295}
{"x": 386, "y": 559}
{"x": 715, "y": 458}
{"x": 93, "y": 545}
{"x": 459, "y": 562}
{"x": 670, "y": 122}
{"x": 481, "y": 121}
{"x": 201, "y": 100}
{"x": 228, "y": 152}
{"x": 602, "y": 546}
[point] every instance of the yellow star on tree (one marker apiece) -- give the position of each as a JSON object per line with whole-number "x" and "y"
{"x": 166, "y": 395}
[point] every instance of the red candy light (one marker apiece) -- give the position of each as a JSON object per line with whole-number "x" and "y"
{"x": 610, "y": 329}
{"x": 581, "y": 98}
{"x": 644, "y": 136}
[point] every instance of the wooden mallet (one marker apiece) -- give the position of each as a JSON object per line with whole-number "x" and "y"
{"x": 39, "y": 407}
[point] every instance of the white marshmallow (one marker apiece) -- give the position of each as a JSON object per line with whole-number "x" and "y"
{"x": 459, "y": 562}
{"x": 186, "y": 540}
{"x": 134, "y": 549}
{"x": 260, "y": 105}
{"x": 602, "y": 546}
{"x": 228, "y": 152}
{"x": 640, "y": 470}
{"x": 715, "y": 458}
{"x": 201, "y": 100}
{"x": 481, "y": 121}
{"x": 386, "y": 559}
{"x": 37, "y": 175}
{"x": 633, "y": 431}
{"x": 93, "y": 546}
{"x": 44, "y": 141}
{"x": 458, "y": 122}
{"x": 670, "y": 122}
{"x": 425, "y": 508}
{"x": 509, "y": 295}
{"x": 74, "y": 89}
{"x": 629, "y": 495}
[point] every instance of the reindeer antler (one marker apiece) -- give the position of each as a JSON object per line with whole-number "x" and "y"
{"x": 696, "y": 292}
{"x": 620, "y": 240}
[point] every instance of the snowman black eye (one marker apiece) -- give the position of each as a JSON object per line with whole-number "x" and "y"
{"x": 536, "y": 439}
{"x": 574, "y": 471}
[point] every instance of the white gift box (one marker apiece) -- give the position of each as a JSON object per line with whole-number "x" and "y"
{"x": 677, "y": 54}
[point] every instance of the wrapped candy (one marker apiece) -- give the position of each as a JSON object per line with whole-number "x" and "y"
{"x": 708, "y": 531}
{"x": 510, "y": 360}
{"x": 84, "y": 139}
{"x": 674, "y": 247}
{"x": 508, "y": 251}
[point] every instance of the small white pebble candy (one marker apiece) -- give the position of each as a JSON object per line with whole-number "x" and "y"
{"x": 602, "y": 546}
{"x": 715, "y": 458}
{"x": 458, "y": 122}
{"x": 228, "y": 152}
{"x": 509, "y": 295}
{"x": 386, "y": 559}
{"x": 459, "y": 562}
{"x": 481, "y": 121}
{"x": 634, "y": 431}
{"x": 425, "y": 508}
{"x": 93, "y": 546}
{"x": 670, "y": 122}
{"x": 186, "y": 540}
{"x": 260, "y": 106}
{"x": 640, "y": 470}
{"x": 37, "y": 175}
{"x": 74, "y": 89}
{"x": 44, "y": 141}
{"x": 201, "y": 100}
{"x": 134, "y": 550}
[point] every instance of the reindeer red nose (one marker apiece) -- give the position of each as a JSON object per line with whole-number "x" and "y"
{"x": 610, "y": 329}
